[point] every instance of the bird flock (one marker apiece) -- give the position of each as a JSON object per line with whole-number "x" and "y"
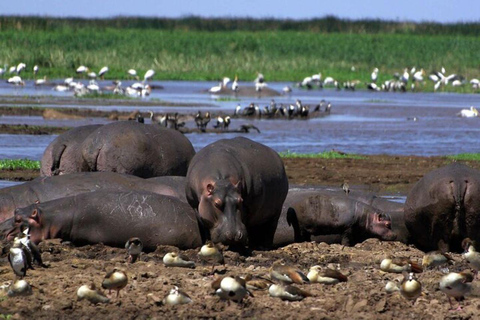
{"x": 283, "y": 281}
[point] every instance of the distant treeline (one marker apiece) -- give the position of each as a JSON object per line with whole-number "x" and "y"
{"x": 328, "y": 24}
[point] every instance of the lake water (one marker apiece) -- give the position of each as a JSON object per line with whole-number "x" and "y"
{"x": 360, "y": 122}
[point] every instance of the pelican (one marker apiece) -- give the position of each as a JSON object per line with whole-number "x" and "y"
{"x": 102, "y": 72}
{"x": 307, "y": 82}
{"x": 133, "y": 73}
{"x": 81, "y": 69}
{"x": 16, "y": 80}
{"x": 468, "y": 113}
{"x": 21, "y": 66}
{"x": 221, "y": 85}
{"x": 374, "y": 75}
{"x": 148, "y": 75}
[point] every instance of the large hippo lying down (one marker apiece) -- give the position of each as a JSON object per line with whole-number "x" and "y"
{"x": 307, "y": 214}
{"x": 238, "y": 187}
{"x": 48, "y": 188}
{"x": 443, "y": 208}
{"x": 125, "y": 147}
{"x": 112, "y": 218}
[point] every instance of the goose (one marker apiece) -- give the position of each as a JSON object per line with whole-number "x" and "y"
{"x": 102, "y": 72}
{"x": 148, "y": 75}
{"x": 374, "y": 75}
{"x": 468, "y": 113}
{"x": 133, "y": 73}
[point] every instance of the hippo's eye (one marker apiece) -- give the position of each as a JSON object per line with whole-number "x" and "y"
{"x": 218, "y": 203}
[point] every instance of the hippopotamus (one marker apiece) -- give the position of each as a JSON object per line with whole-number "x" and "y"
{"x": 63, "y": 155}
{"x": 238, "y": 187}
{"x": 443, "y": 208}
{"x": 320, "y": 215}
{"x": 49, "y": 188}
{"x": 172, "y": 186}
{"x": 112, "y": 218}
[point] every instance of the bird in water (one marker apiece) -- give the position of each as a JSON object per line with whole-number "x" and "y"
{"x": 235, "y": 84}
{"x": 456, "y": 285}
{"x": 92, "y": 294}
{"x": 173, "y": 259}
{"x": 410, "y": 288}
{"x": 210, "y": 253}
{"x": 468, "y": 113}
{"x": 176, "y": 296}
{"x": 115, "y": 280}
{"x": 134, "y": 247}
{"x": 287, "y": 274}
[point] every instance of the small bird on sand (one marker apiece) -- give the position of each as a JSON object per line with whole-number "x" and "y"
{"x": 456, "y": 285}
{"x": 115, "y": 280}
{"x": 327, "y": 276}
{"x": 391, "y": 287}
{"x": 471, "y": 255}
{"x": 287, "y": 274}
{"x": 134, "y": 247}
{"x": 173, "y": 259}
{"x": 399, "y": 266}
{"x": 210, "y": 253}
{"x": 176, "y": 296}
{"x": 90, "y": 293}
{"x": 435, "y": 259}
{"x": 410, "y": 287}
{"x": 231, "y": 288}
{"x": 19, "y": 288}
{"x": 288, "y": 292}
{"x": 18, "y": 259}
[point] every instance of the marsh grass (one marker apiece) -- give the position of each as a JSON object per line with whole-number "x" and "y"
{"x": 16, "y": 164}
{"x": 321, "y": 155}
{"x": 201, "y": 55}
{"x": 465, "y": 156}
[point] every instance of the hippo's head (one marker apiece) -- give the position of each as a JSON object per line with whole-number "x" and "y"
{"x": 221, "y": 211}
{"x": 380, "y": 226}
{"x": 7, "y": 207}
{"x": 28, "y": 217}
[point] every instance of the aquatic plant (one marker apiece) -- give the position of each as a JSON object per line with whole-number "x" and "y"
{"x": 465, "y": 156}
{"x": 16, "y": 164}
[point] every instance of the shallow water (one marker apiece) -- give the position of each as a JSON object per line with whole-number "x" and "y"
{"x": 361, "y": 122}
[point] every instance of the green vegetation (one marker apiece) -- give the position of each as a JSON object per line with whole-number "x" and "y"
{"x": 106, "y": 96}
{"x": 465, "y": 156}
{"x": 186, "y": 49}
{"x": 227, "y": 99}
{"x": 9, "y": 164}
{"x": 321, "y": 155}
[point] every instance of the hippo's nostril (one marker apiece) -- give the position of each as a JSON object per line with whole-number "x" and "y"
{"x": 239, "y": 236}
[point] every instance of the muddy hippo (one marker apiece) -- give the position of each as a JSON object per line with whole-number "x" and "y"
{"x": 171, "y": 185}
{"x": 111, "y": 218}
{"x": 63, "y": 155}
{"x": 308, "y": 214}
{"x": 48, "y": 188}
{"x": 238, "y": 187}
{"x": 443, "y": 208}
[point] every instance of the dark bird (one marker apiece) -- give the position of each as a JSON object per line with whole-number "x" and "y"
{"x": 18, "y": 259}
{"x": 134, "y": 247}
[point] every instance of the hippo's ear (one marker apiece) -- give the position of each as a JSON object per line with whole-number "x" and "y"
{"x": 35, "y": 215}
{"x": 210, "y": 189}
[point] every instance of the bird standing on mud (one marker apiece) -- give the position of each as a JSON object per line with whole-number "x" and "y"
{"x": 456, "y": 285}
{"x": 115, "y": 280}
{"x": 18, "y": 259}
{"x": 134, "y": 247}
{"x": 209, "y": 252}
{"x": 410, "y": 287}
{"x": 471, "y": 255}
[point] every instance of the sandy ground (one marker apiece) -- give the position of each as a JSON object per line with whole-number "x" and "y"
{"x": 362, "y": 297}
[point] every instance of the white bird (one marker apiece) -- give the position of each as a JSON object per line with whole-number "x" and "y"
{"x": 221, "y": 85}
{"x": 138, "y": 86}
{"x": 176, "y": 296}
{"x": 102, "y": 72}
{"x": 92, "y": 75}
{"x": 434, "y": 77}
{"x": 16, "y": 80}
{"x": 132, "y": 92}
{"x": 93, "y": 86}
{"x": 437, "y": 85}
{"x": 475, "y": 83}
{"x": 82, "y": 69}
{"x": 405, "y": 75}
{"x": 317, "y": 77}
{"x": 259, "y": 78}
{"x": 133, "y": 73}
{"x": 418, "y": 76}
{"x": 35, "y": 69}
{"x": 148, "y": 75}
{"x": 456, "y": 285}
{"x": 374, "y": 75}
{"x": 468, "y": 113}
{"x": 328, "y": 80}
{"x": 12, "y": 69}
{"x": 457, "y": 83}
{"x": 235, "y": 84}
{"x": 68, "y": 80}
{"x": 61, "y": 88}
{"x": 21, "y": 66}
{"x": 40, "y": 82}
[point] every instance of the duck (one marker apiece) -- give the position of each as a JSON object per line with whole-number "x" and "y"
{"x": 231, "y": 288}
{"x": 327, "y": 276}
{"x": 456, "y": 285}
{"x": 115, "y": 280}
{"x": 468, "y": 113}
{"x": 209, "y": 252}
{"x": 399, "y": 266}
{"x": 287, "y": 292}
{"x": 176, "y": 296}
{"x": 173, "y": 259}
{"x": 471, "y": 255}
{"x": 287, "y": 274}
{"x": 410, "y": 288}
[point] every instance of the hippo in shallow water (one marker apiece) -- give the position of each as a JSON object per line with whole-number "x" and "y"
{"x": 50, "y": 188}
{"x": 63, "y": 155}
{"x": 308, "y": 214}
{"x": 238, "y": 187}
{"x": 112, "y": 218}
{"x": 443, "y": 208}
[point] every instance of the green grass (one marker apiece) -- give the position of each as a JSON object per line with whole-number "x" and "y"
{"x": 465, "y": 156}
{"x": 9, "y": 164}
{"x": 321, "y": 155}
{"x": 107, "y": 96}
{"x": 202, "y": 55}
